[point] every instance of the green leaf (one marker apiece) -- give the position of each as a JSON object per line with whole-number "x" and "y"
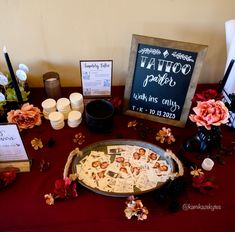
{"x": 11, "y": 94}
{"x": 24, "y": 94}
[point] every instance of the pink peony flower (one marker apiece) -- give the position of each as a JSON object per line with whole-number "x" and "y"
{"x": 210, "y": 113}
{"x": 26, "y": 117}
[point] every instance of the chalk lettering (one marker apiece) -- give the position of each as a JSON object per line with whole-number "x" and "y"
{"x": 153, "y": 99}
{"x": 173, "y": 104}
{"x": 141, "y": 96}
{"x": 151, "y": 111}
{"x": 160, "y": 80}
{"x": 164, "y": 65}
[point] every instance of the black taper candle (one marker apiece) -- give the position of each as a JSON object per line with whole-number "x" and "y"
{"x": 226, "y": 75}
{"x": 13, "y": 78}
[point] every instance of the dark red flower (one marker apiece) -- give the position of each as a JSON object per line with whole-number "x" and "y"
{"x": 64, "y": 188}
{"x": 7, "y": 177}
{"x": 116, "y": 102}
{"x": 207, "y": 186}
{"x": 198, "y": 180}
{"x": 60, "y": 188}
{"x": 73, "y": 190}
{"x": 207, "y": 95}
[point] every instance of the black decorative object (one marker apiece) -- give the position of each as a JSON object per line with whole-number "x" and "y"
{"x": 99, "y": 115}
{"x": 13, "y": 78}
{"x": 208, "y": 143}
{"x": 204, "y": 140}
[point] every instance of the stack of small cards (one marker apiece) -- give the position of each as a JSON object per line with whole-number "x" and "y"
{"x": 123, "y": 169}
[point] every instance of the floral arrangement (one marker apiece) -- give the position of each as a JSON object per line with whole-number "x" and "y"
{"x": 7, "y": 91}
{"x": 210, "y": 113}
{"x": 26, "y": 117}
{"x": 64, "y": 189}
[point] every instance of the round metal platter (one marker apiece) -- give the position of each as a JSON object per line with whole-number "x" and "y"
{"x": 111, "y": 148}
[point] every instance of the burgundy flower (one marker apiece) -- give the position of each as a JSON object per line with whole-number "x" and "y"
{"x": 73, "y": 191}
{"x": 198, "y": 180}
{"x": 64, "y": 188}
{"x": 7, "y": 177}
{"x": 207, "y": 95}
{"x": 61, "y": 186}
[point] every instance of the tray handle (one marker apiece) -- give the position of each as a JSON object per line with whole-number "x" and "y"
{"x": 73, "y": 153}
{"x": 178, "y": 162}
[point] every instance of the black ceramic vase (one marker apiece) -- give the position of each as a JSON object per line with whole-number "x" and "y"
{"x": 204, "y": 140}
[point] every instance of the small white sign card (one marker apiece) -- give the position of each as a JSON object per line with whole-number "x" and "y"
{"x": 12, "y": 150}
{"x": 96, "y": 78}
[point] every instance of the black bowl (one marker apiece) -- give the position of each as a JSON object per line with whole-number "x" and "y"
{"x": 99, "y": 115}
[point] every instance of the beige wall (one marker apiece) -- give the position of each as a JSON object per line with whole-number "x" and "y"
{"x": 56, "y": 34}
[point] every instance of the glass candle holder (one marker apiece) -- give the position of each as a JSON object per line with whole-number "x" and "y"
{"x": 52, "y": 86}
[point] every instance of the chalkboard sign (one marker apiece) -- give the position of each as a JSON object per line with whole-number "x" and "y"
{"x": 162, "y": 79}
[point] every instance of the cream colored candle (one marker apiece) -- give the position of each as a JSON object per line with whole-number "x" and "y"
{"x": 207, "y": 164}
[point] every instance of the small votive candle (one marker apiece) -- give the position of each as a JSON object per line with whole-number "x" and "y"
{"x": 52, "y": 85}
{"x": 207, "y": 164}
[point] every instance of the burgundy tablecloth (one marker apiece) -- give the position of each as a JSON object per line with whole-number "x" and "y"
{"x": 23, "y": 208}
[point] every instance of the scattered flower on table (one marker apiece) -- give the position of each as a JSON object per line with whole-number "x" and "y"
{"x": 44, "y": 165}
{"x": 136, "y": 208}
{"x": 36, "y": 143}
{"x": 210, "y": 113}
{"x": 142, "y": 128}
{"x": 165, "y": 135}
{"x": 196, "y": 172}
{"x": 27, "y": 117}
{"x": 79, "y": 138}
{"x": 133, "y": 123}
{"x": 63, "y": 189}
{"x": 207, "y": 95}
{"x": 201, "y": 182}
{"x": 116, "y": 102}
{"x": 7, "y": 176}
{"x": 49, "y": 199}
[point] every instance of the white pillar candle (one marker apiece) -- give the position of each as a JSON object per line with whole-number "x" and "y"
{"x": 207, "y": 164}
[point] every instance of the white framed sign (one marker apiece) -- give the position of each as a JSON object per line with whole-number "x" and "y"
{"x": 12, "y": 149}
{"x": 96, "y": 78}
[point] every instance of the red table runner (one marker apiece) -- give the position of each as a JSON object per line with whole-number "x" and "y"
{"x": 23, "y": 207}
